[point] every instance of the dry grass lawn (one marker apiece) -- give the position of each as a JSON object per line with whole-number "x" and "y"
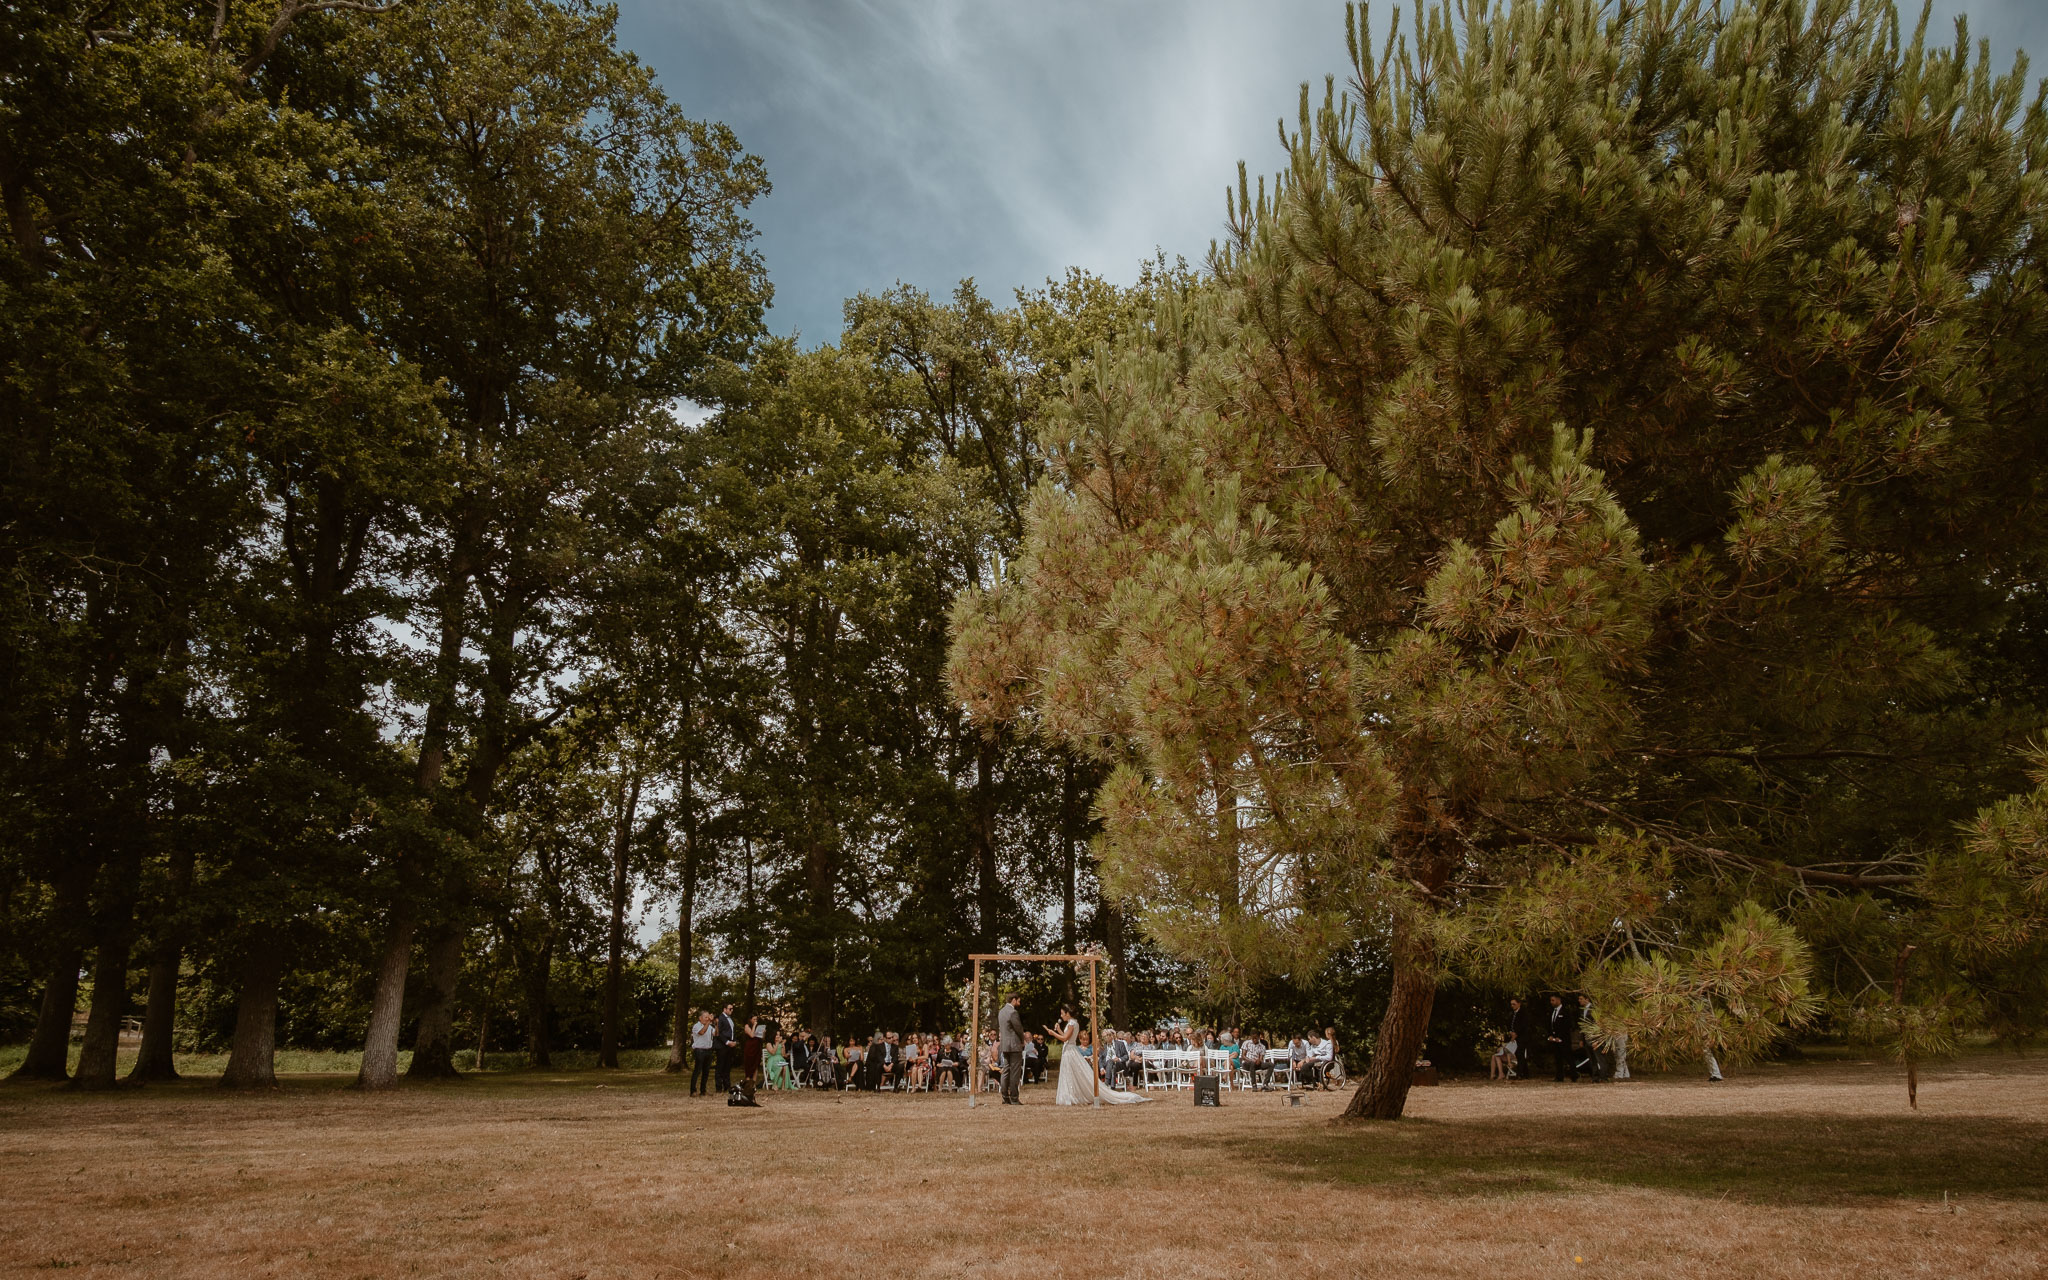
{"x": 1809, "y": 1170}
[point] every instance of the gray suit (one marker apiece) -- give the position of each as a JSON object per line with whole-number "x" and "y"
{"x": 1010, "y": 1040}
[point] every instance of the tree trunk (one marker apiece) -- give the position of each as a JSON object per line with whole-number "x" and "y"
{"x": 49, "y": 1047}
{"x": 433, "y": 1046}
{"x": 1384, "y": 1092}
{"x": 252, "y": 1059}
{"x": 679, "y": 1048}
{"x": 1119, "y": 986}
{"x": 99, "y": 1056}
{"x": 615, "y": 955}
{"x": 160, "y": 1015}
{"x": 753, "y": 957}
{"x": 387, "y": 1005}
{"x": 537, "y": 1036}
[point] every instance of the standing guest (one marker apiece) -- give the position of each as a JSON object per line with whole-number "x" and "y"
{"x": 1519, "y": 1036}
{"x": 1558, "y": 1035}
{"x": 703, "y": 1051}
{"x": 750, "y": 1050}
{"x": 1580, "y": 1021}
{"x": 1010, "y": 1040}
{"x": 728, "y": 1048}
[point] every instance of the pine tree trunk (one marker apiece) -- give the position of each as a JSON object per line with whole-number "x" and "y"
{"x": 433, "y": 1048}
{"x": 1383, "y": 1093}
{"x": 98, "y": 1057}
{"x": 387, "y": 1004}
{"x": 49, "y": 1047}
{"x": 252, "y": 1059}
{"x": 1119, "y": 986}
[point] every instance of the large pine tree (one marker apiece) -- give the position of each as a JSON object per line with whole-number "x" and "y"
{"x": 1580, "y": 530}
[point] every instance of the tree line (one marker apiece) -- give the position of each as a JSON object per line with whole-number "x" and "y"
{"x": 417, "y": 554}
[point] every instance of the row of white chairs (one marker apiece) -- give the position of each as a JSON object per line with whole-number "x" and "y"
{"x": 1177, "y": 1069}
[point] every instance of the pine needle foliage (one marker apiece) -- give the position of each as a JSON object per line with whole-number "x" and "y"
{"x": 1584, "y": 529}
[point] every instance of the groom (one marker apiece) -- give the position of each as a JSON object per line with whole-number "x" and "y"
{"x": 1010, "y": 1040}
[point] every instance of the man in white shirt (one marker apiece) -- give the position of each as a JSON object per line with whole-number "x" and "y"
{"x": 1253, "y": 1058}
{"x": 703, "y": 1051}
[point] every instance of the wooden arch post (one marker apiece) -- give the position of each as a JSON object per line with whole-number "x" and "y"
{"x": 974, "y": 1067}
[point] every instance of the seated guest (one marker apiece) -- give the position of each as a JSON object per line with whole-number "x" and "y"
{"x": 1252, "y": 1056}
{"x": 1297, "y": 1056}
{"x": 825, "y": 1064}
{"x": 775, "y": 1060}
{"x": 850, "y": 1066}
{"x": 1502, "y": 1065}
{"x": 1320, "y": 1054}
{"x": 800, "y": 1056}
{"x": 946, "y": 1066}
{"x": 1123, "y": 1061}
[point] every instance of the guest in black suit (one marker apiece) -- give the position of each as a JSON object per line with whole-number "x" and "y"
{"x": 728, "y": 1048}
{"x": 875, "y": 1063}
{"x": 1595, "y": 1065}
{"x": 1558, "y": 1035}
{"x": 1519, "y": 1031}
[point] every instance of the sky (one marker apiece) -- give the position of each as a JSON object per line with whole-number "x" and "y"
{"x": 925, "y": 141}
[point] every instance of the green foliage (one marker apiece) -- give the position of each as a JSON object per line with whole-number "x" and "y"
{"x": 1594, "y": 468}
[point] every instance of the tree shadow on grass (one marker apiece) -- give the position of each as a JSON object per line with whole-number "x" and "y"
{"x": 1787, "y": 1158}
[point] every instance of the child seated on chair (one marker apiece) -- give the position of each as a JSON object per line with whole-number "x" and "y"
{"x": 1502, "y": 1065}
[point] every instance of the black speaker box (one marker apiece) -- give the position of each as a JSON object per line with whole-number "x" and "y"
{"x": 1208, "y": 1091}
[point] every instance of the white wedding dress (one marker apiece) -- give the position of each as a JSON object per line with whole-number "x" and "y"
{"x": 1077, "y": 1075}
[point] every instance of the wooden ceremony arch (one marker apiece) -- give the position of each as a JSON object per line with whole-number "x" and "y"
{"x": 974, "y": 1067}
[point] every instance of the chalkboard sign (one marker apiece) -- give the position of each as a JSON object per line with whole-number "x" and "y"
{"x": 1208, "y": 1091}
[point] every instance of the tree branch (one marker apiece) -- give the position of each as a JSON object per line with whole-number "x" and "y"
{"x": 1805, "y": 875}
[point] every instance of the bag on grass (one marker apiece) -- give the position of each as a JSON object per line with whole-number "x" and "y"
{"x": 742, "y": 1095}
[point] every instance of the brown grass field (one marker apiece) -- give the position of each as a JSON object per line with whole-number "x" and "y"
{"x": 1795, "y": 1171}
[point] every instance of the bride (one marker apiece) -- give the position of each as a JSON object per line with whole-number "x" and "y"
{"x": 1077, "y": 1071}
